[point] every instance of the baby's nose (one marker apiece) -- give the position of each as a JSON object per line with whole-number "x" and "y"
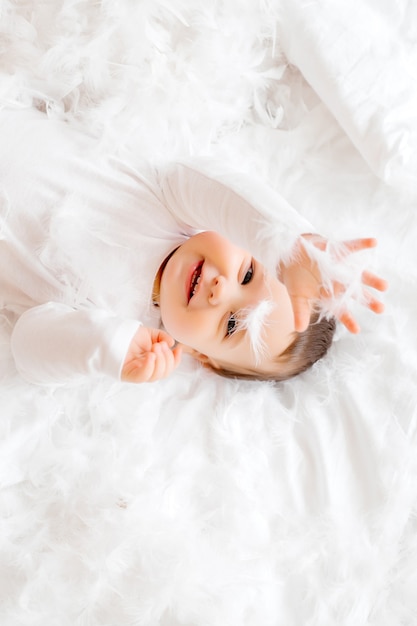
{"x": 217, "y": 289}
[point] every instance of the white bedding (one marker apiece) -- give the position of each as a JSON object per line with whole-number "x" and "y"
{"x": 198, "y": 500}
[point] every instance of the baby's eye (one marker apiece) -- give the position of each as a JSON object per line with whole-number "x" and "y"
{"x": 231, "y": 325}
{"x": 248, "y": 276}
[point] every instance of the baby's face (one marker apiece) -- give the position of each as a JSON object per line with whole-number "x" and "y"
{"x": 209, "y": 287}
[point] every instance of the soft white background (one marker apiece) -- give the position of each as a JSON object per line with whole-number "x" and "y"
{"x": 199, "y": 501}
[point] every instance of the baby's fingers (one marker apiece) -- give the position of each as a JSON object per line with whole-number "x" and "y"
{"x": 374, "y": 281}
{"x": 343, "y": 248}
{"x": 349, "y": 322}
{"x": 373, "y": 303}
{"x": 355, "y": 245}
{"x": 139, "y": 370}
{"x": 301, "y": 308}
{"x": 153, "y": 365}
{"x": 166, "y": 360}
{"x": 158, "y": 336}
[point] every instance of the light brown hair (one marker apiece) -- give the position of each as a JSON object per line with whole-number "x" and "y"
{"x": 306, "y": 348}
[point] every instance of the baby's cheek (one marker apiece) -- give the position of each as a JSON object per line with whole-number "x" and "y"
{"x": 173, "y": 324}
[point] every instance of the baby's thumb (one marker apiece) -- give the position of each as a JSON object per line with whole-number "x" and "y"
{"x": 302, "y": 312}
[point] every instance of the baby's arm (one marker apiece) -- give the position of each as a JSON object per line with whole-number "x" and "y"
{"x": 260, "y": 220}
{"x": 54, "y": 343}
{"x": 243, "y": 209}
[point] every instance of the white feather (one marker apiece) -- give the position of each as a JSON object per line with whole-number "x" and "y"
{"x": 253, "y": 320}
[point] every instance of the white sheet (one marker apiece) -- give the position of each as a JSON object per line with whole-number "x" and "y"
{"x": 361, "y": 58}
{"x": 199, "y": 500}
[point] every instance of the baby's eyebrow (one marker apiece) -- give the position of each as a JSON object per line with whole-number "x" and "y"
{"x": 252, "y": 320}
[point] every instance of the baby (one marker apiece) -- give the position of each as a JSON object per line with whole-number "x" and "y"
{"x": 97, "y": 251}
{"x": 225, "y": 309}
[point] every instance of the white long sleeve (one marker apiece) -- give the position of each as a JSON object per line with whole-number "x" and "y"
{"x": 243, "y": 209}
{"x": 54, "y": 343}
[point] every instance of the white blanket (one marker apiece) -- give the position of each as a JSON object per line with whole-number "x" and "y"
{"x": 199, "y": 500}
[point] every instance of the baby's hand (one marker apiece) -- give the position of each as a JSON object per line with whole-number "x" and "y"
{"x": 150, "y": 357}
{"x": 304, "y": 283}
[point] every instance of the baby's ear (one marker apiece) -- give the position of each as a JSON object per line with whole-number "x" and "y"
{"x": 203, "y": 358}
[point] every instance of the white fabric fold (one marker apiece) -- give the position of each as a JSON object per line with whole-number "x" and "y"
{"x": 54, "y": 344}
{"x": 361, "y": 59}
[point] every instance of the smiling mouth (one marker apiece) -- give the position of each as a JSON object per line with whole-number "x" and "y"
{"x": 195, "y": 279}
